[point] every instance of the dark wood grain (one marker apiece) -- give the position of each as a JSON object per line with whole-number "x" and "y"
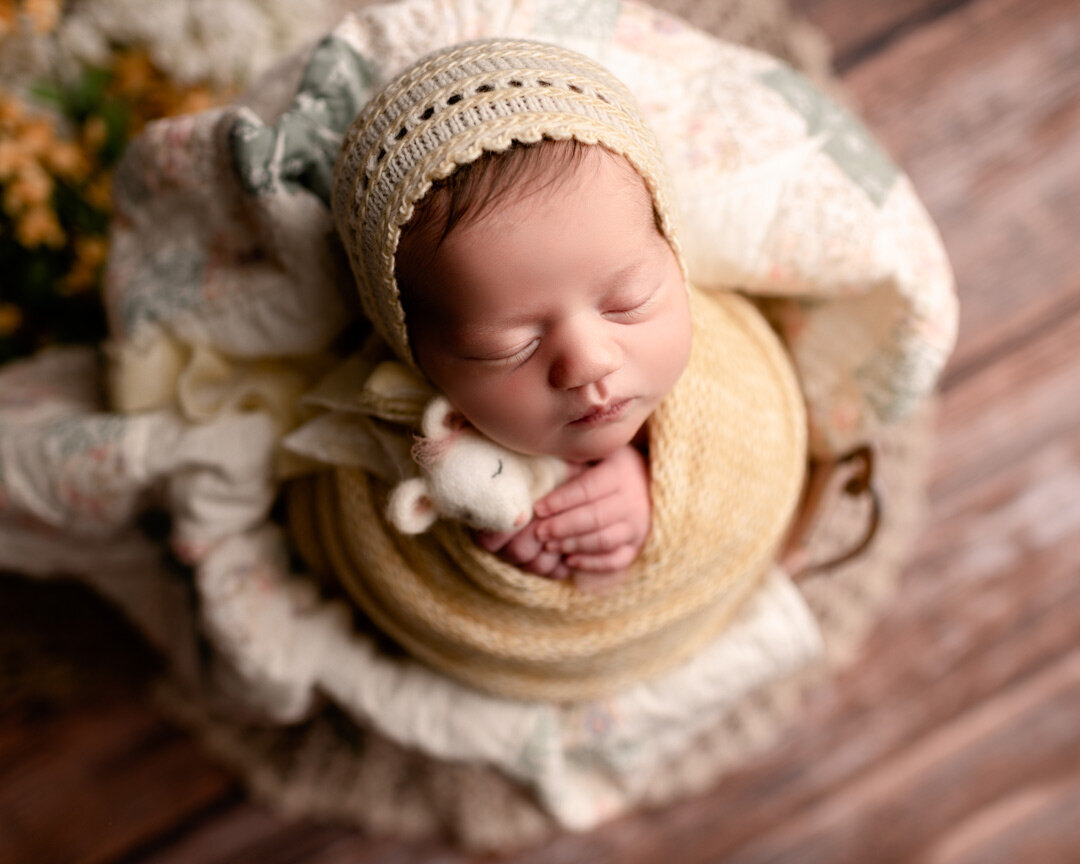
{"x": 955, "y": 737}
{"x": 982, "y": 108}
{"x": 859, "y": 30}
{"x": 91, "y": 784}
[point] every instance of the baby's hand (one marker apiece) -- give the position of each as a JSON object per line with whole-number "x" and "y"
{"x": 525, "y": 550}
{"x": 597, "y": 522}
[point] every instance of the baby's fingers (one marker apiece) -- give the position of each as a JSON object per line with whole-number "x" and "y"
{"x": 591, "y": 485}
{"x": 523, "y": 547}
{"x": 547, "y": 564}
{"x": 606, "y": 562}
{"x": 589, "y": 518}
{"x": 607, "y": 539}
{"x": 493, "y": 541}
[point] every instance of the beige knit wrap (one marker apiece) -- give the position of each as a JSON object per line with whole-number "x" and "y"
{"x": 727, "y": 447}
{"x": 727, "y": 455}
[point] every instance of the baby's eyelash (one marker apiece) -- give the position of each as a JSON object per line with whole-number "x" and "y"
{"x": 638, "y": 310}
{"x": 512, "y": 359}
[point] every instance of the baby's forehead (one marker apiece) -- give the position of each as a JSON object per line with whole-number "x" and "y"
{"x": 550, "y": 174}
{"x": 591, "y": 235}
{"x": 510, "y": 189}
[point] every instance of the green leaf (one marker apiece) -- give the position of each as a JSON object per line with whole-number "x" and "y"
{"x": 50, "y": 93}
{"x": 117, "y": 119}
{"x": 90, "y": 92}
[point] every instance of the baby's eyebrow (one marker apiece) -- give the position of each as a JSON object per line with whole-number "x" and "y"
{"x": 483, "y": 338}
{"x": 624, "y": 274}
{"x": 479, "y": 331}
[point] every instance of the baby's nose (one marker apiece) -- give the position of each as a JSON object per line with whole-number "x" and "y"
{"x": 586, "y": 357}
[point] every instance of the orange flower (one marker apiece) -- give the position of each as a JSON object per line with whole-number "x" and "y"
{"x": 8, "y": 14}
{"x": 67, "y": 161}
{"x": 31, "y": 187}
{"x": 98, "y": 192}
{"x": 192, "y": 101}
{"x": 37, "y": 136}
{"x": 90, "y": 254}
{"x": 149, "y": 93}
{"x": 39, "y": 227}
{"x": 11, "y": 317}
{"x": 13, "y": 157}
{"x": 44, "y": 15}
{"x": 11, "y": 107}
{"x": 133, "y": 74}
{"x": 94, "y": 134}
{"x": 93, "y": 250}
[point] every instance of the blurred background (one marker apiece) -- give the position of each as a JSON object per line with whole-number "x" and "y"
{"x": 955, "y": 736}
{"x": 77, "y": 81}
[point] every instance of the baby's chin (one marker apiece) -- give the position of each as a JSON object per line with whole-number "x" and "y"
{"x": 578, "y": 446}
{"x": 595, "y": 446}
{"x": 584, "y": 455}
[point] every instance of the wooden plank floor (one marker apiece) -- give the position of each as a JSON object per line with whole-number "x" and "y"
{"x": 956, "y": 737}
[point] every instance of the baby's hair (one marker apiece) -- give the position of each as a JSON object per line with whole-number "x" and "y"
{"x": 474, "y": 188}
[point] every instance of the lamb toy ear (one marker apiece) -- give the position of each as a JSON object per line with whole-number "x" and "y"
{"x": 440, "y": 419}
{"x": 411, "y": 508}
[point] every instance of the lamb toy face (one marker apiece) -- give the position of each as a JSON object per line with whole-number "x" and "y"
{"x": 468, "y": 477}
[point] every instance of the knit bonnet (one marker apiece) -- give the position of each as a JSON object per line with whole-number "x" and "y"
{"x": 446, "y": 111}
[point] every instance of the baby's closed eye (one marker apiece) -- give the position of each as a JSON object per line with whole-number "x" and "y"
{"x": 632, "y": 307}
{"x": 509, "y": 357}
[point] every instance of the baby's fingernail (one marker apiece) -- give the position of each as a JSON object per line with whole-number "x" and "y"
{"x": 540, "y": 509}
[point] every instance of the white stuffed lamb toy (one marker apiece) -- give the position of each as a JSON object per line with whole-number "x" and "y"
{"x": 469, "y": 478}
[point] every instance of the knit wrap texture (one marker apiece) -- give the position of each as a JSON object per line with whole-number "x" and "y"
{"x": 727, "y": 451}
{"x": 446, "y": 111}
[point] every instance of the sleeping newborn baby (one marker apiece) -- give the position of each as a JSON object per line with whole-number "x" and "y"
{"x": 544, "y": 300}
{"x": 505, "y": 213}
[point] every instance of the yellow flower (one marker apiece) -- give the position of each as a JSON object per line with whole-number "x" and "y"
{"x": 31, "y": 187}
{"x": 11, "y": 317}
{"x": 98, "y": 193}
{"x": 66, "y": 161}
{"x": 94, "y": 133}
{"x": 90, "y": 254}
{"x": 133, "y": 74}
{"x": 43, "y": 14}
{"x": 8, "y": 15}
{"x": 13, "y": 157}
{"x": 192, "y": 101}
{"x": 11, "y": 107}
{"x": 39, "y": 227}
{"x": 93, "y": 250}
{"x": 37, "y": 136}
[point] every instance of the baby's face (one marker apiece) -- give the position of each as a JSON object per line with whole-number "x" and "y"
{"x": 558, "y": 320}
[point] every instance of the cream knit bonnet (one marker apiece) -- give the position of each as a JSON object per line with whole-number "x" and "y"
{"x": 447, "y": 110}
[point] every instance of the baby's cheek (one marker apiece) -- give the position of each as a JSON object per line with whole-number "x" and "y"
{"x": 673, "y": 346}
{"x": 510, "y": 417}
